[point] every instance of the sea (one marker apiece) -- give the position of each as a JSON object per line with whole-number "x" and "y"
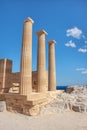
{"x": 61, "y": 88}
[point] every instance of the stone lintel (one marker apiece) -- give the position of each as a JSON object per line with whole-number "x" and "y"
{"x": 51, "y": 42}
{"x": 41, "y": 32}
{"x": 29, "y": 20}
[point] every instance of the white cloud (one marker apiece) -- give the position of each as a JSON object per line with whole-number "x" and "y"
{"x": 85, "y": 42}
{"x": 83, "y": 50}
{"x": 82, "y": 70}
{"x": 70, "y": 44}
{"x": 74, "y": 32}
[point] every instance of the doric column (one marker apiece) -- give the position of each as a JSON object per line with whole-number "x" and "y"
{"x": 41, "y": 61}
{"x": 52, "y": 69}
{"x": 26, "y": 58}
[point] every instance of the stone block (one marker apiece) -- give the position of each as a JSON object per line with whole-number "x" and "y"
{"x": 2, "y": 97}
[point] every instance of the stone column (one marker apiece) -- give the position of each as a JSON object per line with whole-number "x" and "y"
{"x": 41, "y": 61}
{"x": 26, "y": 59}
{"x": 52, "y": 69}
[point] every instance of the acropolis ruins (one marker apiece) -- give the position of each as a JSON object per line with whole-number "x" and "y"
{"x": 32, "y": 87}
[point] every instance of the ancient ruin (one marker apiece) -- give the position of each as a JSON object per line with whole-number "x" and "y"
{"x": 26, "y": 91}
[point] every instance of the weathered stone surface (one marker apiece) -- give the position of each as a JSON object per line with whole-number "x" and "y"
{"x": 19, "y": 103}
{"x": 35, "y": 110}
{"x": 14, "y": 83}
{"x": 52, "y": 67}
{"x": 2, "y": 97}
{"x": 41, "y": 61}
{"x": 76, "y": 101}
{"x": 26, "y": 59}
{"x": 5, "y": 73}
{"x": 14, "y": 90}
{"x": 20, "y": 83}
{"x": 35, "y": 81}
{"x": 69, "y": 89}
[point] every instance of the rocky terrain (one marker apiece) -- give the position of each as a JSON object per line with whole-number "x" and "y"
{"x": 75, "y": 100}
{"x": 65, "y": 111}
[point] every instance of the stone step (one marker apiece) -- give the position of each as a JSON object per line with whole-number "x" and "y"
{"x": 34, "y": 96}
{"x": 36, "y": 101}
{"x": 39, "y": 98}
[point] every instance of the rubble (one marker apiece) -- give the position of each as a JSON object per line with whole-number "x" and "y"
{"x": 74, "y": 101}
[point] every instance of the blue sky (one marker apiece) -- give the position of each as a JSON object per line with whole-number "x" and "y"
{"x": 64, "y": 20}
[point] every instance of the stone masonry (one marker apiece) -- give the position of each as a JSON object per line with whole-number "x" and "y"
{"x": 40, "y": 81}
{"x": 52, "y": 69}
{"x": 41, "y": 61}
{"x": 26, "y": 59}
{"x": 5, "y": 74}
{"x": 14, "y": 78}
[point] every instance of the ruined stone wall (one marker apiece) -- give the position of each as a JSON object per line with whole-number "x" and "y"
{"x": 9, "y": 79}
{"x": 8, "y": 72}
{"x": 1, "y": 72}
{"x": 1, "y": 81}
{"x": 5, "y": 74}
{"x": 15, "y": 79}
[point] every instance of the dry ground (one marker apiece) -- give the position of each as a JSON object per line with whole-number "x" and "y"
{"x": 56, "y": 121}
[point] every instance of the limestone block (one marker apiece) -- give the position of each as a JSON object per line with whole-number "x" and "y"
{"x": 31, "y": 110}
{"x": 9, "y": 108}
{"x": 17, "y": 108}
{"x": 35, "y": 110}
{"x": 2, "y": 97}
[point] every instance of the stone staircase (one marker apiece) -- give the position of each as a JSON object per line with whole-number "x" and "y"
{"x": 27, "y": 105}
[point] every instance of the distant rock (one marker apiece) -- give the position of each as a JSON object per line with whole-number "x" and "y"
{"x": 69, "y": 89}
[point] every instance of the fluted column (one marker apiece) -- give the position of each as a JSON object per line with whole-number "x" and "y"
{"x": 26, "y": 58}
{"x": 52, "y": 69}
{"x": 41, "y": 61}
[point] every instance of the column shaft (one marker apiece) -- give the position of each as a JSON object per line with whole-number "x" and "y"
{"x": 41, "y": 61}
{"x": 26, "y": 59}
{"x": 52, "y": 69}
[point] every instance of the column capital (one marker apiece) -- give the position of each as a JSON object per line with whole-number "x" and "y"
{"x": 51, "y": 42}
{"x": 41, "y": 32}
{"x": 29, "y": 20}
